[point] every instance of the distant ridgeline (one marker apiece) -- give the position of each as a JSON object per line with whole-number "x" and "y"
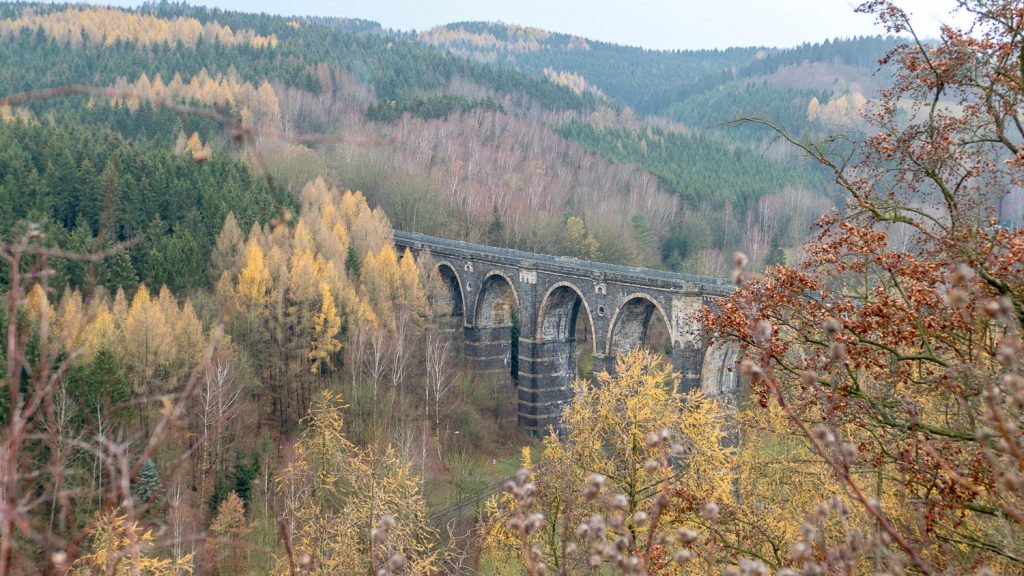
{"x": 647, "y": 80}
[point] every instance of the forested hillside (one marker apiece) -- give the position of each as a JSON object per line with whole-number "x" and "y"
{"x": 490, "y": 153}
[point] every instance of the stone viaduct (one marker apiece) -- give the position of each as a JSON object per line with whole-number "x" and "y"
{"x": 491, "y": 287}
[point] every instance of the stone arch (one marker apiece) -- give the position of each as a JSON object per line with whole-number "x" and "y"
{"x": 559, "y": 310}
{"x": 450, "y": 278}
{"x": 496, "y": 301}
{"x": 628, "y": 328}
{"x": 719, "y": 375}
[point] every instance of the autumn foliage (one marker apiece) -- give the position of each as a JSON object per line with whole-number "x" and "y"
{"x": 894, "y": 350}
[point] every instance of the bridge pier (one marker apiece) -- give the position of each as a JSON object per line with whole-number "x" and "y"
{"x": 688, "y": 361}
{"x": 546, "y": 373}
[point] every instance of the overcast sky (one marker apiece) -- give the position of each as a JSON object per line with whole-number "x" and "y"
{"x": 662, "y": 24}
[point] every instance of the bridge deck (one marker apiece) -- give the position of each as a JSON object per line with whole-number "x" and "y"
{"x": 565, "y": 264}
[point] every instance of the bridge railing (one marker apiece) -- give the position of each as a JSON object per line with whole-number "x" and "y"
{"x": 561, "y": 263}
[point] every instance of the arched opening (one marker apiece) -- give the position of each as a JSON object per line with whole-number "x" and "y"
{"x": 632, "y": 328}
{"x": 497, "y": 322}
{"x": 720, "y": 377}
{"x": 561, "y": 325}
{"x": 450, "y": 303}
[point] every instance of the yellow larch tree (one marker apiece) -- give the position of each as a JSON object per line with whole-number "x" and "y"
{"x": 579, "y": 242}
{"x": 254, "y": 283}
{"x": 334, "y": 493}
{"x": 189, "y": 336}
{"x": 119, "y": 547}
{"x": 302, "y": 275}
{"x": 71, "y": 320}
{"x": 147, "y": 340}
{"x": 225, "y": 547}
{"x": 326, "y": 325}
{"x": 412, "y": 295}
{"x": 119, "y": 309}
{"x": 37, "y": 303}
{"x": 100, "y": 333}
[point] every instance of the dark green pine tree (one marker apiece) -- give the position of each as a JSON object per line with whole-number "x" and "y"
{"x": 496, "y": 227}
{"x": 101, "y": 390}
{"x": 116, "y": 272}
{"x": 80, "y": 241}
{"x": 147, "y": 484}
{"x": 352, "y": 264}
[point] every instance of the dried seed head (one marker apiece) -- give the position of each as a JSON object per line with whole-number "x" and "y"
{"x": 753, "y": 568}
{"x": 1009, "y": 351}
{"x": 710, "y": 511}
{"x": 740, "y": 259}
{"x": 59, "y": 559}
{"x": 837, "y": 353}
{"x": 534, "y": 522}
{"x": 832, "y": 327}
{"x": 661, "y": 501}
{"x": 956, "y": 298}
{"x": 651, "y": 466}
{"x": 385, "y": 523}
{"x": 808, "y": 378}
{"x": 800, "y": 551}
{"x": 850, "y": 452}
{"x": 618, "y": 521}
{"x": 763, "y": 331}
{"x": 651, "y": 440}
{"x": 396, "y": 562}
{"x": 685, "y": 536}
{"x": 961, "y": 275}
{"x": 682, "y": 556}
{"x": 595, "y": 483}
{"x": 749, "y": 368}
{"x": 992, "y": 308}
{"x": 619, "y": 502}
{"x": 377, "y": 536}
{"x": 640, "y": 518}
{"x": 823, "y": 434}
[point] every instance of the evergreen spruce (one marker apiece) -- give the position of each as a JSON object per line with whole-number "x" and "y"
{"x": 147, "y": 484}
